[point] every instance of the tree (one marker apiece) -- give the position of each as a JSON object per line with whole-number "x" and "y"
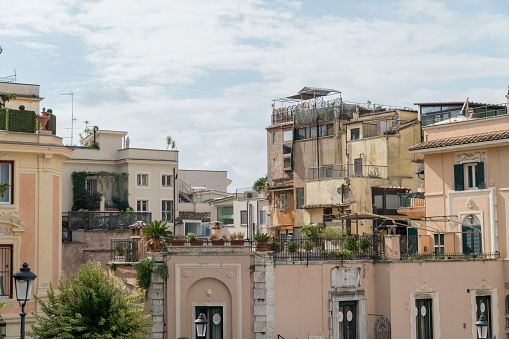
{"x": 91, "y": 305}
{"x": 5, "y": 97}
{"x": 170, "y": 143}
{"x": 259, "y": 184}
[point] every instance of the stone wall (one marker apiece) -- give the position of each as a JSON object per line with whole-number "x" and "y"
{"x": 263, "y": 294}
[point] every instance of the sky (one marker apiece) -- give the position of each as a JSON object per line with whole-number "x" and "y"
{"x": 205, "y": 72}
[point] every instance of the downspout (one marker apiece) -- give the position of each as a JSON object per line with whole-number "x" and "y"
{"x": 175, "y": 182}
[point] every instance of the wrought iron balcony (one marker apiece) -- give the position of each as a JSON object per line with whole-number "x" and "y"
{"x": 105, "y": 220}
{"x": 347, "y": 170}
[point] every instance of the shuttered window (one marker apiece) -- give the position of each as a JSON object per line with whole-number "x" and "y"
{"x": 469, "y": 176}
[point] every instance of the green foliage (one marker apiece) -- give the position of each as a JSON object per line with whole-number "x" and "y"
{"x": 363, "y": 244}
{"x": 117, "y": 182}
{"x": 291, "y": 246}
{"x": 3, "y": 188}
{"x": 259, "y": 184}
{"x": 309, "y": 231}
{"x": 170, "y": 143}
{"x": 156, "y": 233}
{"x": 145, "y": 267}
{"x": 6, "y": 97}
{"x": 162, "y": 270}
{"x": 21, "y": 107}
{"x": 331, "y": 233}
{"x": 91, "y": 305}
{"x": 344, "y": 254}
{"x": 120, "y": 250}
{"x": 21, "y": 121}
{"x": 190, "y": 237}
{"x": 112, "y": 266}
{"x": 308, "y": 245}
{"x": 261, "y": 237}
{"x": 350, "y": 244}
{"x": 275, "y": 246}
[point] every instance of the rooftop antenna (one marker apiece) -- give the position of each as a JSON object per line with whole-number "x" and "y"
{"x": 72, "y": 114}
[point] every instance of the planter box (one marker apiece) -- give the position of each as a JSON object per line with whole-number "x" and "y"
{"x": 178, "y": 243}
{"x": 217, "y": 242}
{"x": 197, "y": 243}
{"x": 237, "y": 242}
{"x": 262, "y": 246}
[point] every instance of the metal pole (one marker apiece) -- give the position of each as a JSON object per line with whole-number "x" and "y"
{"x": 22, "y": 314}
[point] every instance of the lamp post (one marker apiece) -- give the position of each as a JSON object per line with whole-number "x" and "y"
{"x": 24, "y": 280}
{"x": 201, "y": 326}
{"x": 482, "y": 328}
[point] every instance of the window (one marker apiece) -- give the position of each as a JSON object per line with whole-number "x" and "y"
{"x": 142, "y": 179}
{"x": 142, "y": 206}
{"x": 225, "y": 215}
{"x": 347, "y": 317}
{"x": 273, "y": 137}
{"x": 5, "y": 271}
{"x": 469, "y": 176}
{"x": 300, "y": 197}
{"x": 357, "y": 166}
{"x": 386, "y": 200}
{"x": 282, "y": 202}
{"x": 263, "y": 217}
{"x": 6, "y": 176}
{"x": 287, "y": 163}
{"x": 439, "y": 243}
{"x": 167, "y": 210}
{"x": 167, "y": 180}
{"x": 483, "y": 307}
{"x": 287, "y": 148}
{"x": 92, "y": 186}
{"x": 287, "y": 135}
{"x": 355, "y": 134}
{"x": 424, "y": 318}
{"x": 243, "y": 217}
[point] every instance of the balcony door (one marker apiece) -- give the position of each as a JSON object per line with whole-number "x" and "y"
{"x": 214, "y": 315}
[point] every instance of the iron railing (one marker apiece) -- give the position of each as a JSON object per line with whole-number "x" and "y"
{"x": 105, "y": 220}
{"x": 128, "y": 250}
{"x": 449, "y": 256}
{"x": 347, "y": 170}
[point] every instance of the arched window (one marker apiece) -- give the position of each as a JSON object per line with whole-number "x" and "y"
{"x": 471, "y": 234}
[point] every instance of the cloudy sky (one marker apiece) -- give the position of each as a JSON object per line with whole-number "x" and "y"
{"x": 205, "y": 71}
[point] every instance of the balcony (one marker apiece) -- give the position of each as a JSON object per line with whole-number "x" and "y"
{"x": 104, "y": 220}
{"x": 347, "y": 170}
{"x": 281, "y": 182}
{"x": 412, "y": 204}
{"x": 14, "y": 120}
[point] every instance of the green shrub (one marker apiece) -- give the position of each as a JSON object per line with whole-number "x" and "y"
{"x": 308, "y": 245}
{"x": 275, "y": 246}
{"x": 363, "y": 244}
{"x": 309, "y": 231}
{"x": 291, "y": 246}
{"x": 350, "y": 244}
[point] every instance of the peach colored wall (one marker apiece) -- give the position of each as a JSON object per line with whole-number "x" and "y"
{"x": 229, "y": 280}
{"x": 457, "y": 129}
{"x": 57, "y": 231}
{"x": 27, "y": 213}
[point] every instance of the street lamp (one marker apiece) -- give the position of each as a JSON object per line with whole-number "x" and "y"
{"x": 201, "y": 326}
{"x": 23, "y": 280}
{"x": 482, "y": 327}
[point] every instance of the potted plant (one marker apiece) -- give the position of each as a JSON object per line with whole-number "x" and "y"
{"x": 155, "y": 234}
{"x": 193, "y": 240}
{"x": 178, "y": 240}
{"x": 237, "y": 239}
{"x": 216, "y": 241}
{"x": 274, "y": 245}
{"x": 291, "y": 246}
{"x": 262, "y": 242}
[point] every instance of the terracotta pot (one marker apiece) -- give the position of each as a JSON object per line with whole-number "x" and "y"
{"x": 237, "y": 242}
{"x": 197, "y": 243}
{"x": 262, "y": 246}
{"x": 217, "y": 242}
{"x": 178, "y": 242}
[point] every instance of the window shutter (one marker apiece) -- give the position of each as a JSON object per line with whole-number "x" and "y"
{"x": 459, "y": 181}
{"x": 479, "y": 176}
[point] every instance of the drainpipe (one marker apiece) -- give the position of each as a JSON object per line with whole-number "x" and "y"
{"x": 175, "y": 176}
{"x": 249, "y": 233}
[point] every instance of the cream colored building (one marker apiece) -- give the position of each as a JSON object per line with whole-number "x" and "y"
{"x": 26, "y": 95}
{"x": 30, "y": 216}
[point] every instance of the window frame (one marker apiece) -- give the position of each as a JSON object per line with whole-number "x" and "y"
{"x": 139, "y": 203}
{"x": 282, "y": 202}
{"x": 243, "y": 217}
{"x": 164, "y": 180}
{"x": 166, "y": 212}
{"x": 299, "y": 197}
{"x": 355, "y": 132}
{"x": 141, "y": 183}
{"x": 91, "y": 186}
{"x": 286, "y": 133}
{"x": 263, "y": 217}
{"x": 9, "y": 193}
{"x": 274, "y": 137}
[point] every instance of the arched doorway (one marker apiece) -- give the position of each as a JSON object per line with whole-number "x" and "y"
{"x": 471, "y": 234}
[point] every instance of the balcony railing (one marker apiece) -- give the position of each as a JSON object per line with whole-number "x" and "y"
{"x": 412, "y": 199}
{"x": 347, "y": 170}
{"x": 451, "y": 256}
{"x": 105, "y": 220}
{"x": 128, "y": 250}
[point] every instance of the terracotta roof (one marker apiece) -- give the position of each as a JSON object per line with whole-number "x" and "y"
{"x": 469, "y": 139}
{"x": 337, "y": 204}
{"x": 203, "y": 216}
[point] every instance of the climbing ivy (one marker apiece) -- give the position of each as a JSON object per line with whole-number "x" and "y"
{"x": 145, "y": 267}
{"x": 84, "y": 200}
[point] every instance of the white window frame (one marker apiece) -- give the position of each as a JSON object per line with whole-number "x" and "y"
{"x": 246, "y": 215}
{"x": 139, "y": 180}
{"x": 164, "y": 180}
{"x": 8, "y": 192}
{"x": 141, "y": 201}
{"x": 90, "y": 183}
{"x": 282, "y": 202}
{"x": 263, "y": 217}
{"x": 472, "y": 169}
{"x": 164, "y": 213}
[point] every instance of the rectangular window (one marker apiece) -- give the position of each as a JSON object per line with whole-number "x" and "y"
{"x": 301, "y": 134}
{"x": 225, "y": 215}
{"x": 167, "y": 180}
{"x": 282, "y": 202}
{"x": 469, "y": 176}
{"x": 273, "y": 137}
{"x": 167, "y": 210}
{"x": 287, "y": 148}
{"x": 287, "y": 135}
{"x": 142, "y": 206}
{"x": 287, "y": 163}
{"x": 424, "y": 318}
{"x": 142, "y": 179}
{"x": 357, "y": 166}
{"x": 299, "y": 192}
{"x": 470, "y": 181}
{"x": 483, "y": 307}
{"x": 347, "y": 319}
{"x": 263, "y": 217}
{"x": 439, "y": 243}
{"x": 243, "y": 217}
{"x": 5, "y": 271}
{"x": 355, "y": 134}
{"x": 92, "y": 186}
{"x": 6, "y": 176}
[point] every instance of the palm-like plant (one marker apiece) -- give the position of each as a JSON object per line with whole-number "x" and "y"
{"x": 156, "y": 233}
{"x": 170, "y": 143}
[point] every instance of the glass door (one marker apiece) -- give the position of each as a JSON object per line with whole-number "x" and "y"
{"x": 214, "y": 315}
{"x": 347, "y": 317}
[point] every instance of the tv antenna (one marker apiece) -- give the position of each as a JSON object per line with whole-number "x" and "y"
{"x": 72, "y": 114}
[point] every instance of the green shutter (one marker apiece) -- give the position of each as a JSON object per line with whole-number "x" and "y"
{"x": 479, "y": 176}
{"x": 459, "y": 181}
